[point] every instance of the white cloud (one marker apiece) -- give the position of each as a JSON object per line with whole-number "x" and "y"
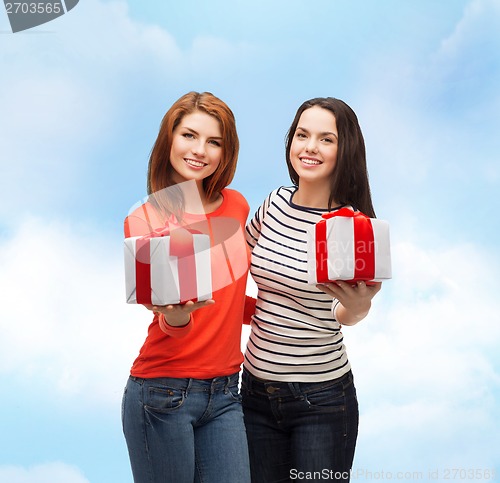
{"x": 55, "y": 472}
{"x": 66, "y": 323}
{"x": 477, "y": 28}
{"x": 426, "y": 115}
{"x": 465, "y": 69}
{"x": 426, "y": 360}
{"x": 45, "y": 129}
{"x": 104, "y": 35}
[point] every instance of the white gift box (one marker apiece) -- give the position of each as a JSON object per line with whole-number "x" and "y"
{"x": 348, "y": 245}
{"x": 160, "y": 270}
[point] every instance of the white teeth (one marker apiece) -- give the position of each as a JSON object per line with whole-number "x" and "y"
{"x": 196, "y": 164}
{"x": 310, "y": 161}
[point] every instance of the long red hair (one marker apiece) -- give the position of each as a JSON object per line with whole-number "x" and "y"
{"x": 160, "y": 170}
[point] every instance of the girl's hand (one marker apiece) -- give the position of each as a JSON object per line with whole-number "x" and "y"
{"x": 179, "y": 314}
{"x": 355, "y": 301}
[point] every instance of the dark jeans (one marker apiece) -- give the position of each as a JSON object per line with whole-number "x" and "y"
{"x": 300, "y": 431}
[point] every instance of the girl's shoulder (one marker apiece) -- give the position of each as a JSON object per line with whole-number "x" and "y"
{"x": 233, "y": 196}
{"x": 284, "y": 192}
{"x": 234, "y": 204}
{"x": 281, "y": 194}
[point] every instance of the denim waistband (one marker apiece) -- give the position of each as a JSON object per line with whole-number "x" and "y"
{"x": 190, "y": 384}
{"x": 281, "y": 389}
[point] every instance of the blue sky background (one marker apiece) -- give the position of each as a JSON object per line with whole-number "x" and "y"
{"x": 81, "y": 99}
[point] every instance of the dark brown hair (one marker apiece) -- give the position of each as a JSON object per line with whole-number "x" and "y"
{"x": 160, "y": 170}
{"x": 349, "y": 182}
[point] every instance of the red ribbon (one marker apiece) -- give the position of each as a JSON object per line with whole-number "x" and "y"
{"x": 364, "y": 246}
{"x": 321, "y": 252}
{"x": 182, "y": 247}
{"x": 143, "y": 271}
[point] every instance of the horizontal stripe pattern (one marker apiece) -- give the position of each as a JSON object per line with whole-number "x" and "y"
{"x": 294, "y": 335}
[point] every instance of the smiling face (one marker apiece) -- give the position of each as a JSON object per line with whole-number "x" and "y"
{"x": 313, "y": 150}
{"x": 196, "y": 147}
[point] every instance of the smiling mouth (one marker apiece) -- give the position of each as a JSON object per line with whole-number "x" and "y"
{"x": 310, "y": 161}
{"x": 194, "y": 163}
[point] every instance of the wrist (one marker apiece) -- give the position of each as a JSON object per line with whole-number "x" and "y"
{"x": 177, "y": 320}
{"x": 348, "y": 317}
{"x": 174, "y": 331}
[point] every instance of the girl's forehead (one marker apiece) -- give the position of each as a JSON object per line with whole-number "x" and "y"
{"x": 318, "y": 118}
{"x": 198, "y": 120}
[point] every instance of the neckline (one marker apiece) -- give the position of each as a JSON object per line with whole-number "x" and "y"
{"x": 310, "y": 208}
{"x": 202, "y": 216}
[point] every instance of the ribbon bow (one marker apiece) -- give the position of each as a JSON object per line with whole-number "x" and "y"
{"x": 347, "y": 212}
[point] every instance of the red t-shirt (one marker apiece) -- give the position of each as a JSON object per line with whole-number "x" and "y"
{"x": 210, "y": 344}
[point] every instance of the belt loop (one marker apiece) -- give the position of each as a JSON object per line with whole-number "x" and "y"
{"x": 138, "y": 380}
{"x": 188, "y": 387}
{"x": 248, "y": 380}
{"x": 212, "y": 385}
{"x": 347, "y": 380}
{"x": 294, "y": 388}
{"x": 253, "y": 382}
{"x": 226, "y": 386}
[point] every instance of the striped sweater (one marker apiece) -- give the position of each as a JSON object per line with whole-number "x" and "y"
{"x": 294, "y": 336}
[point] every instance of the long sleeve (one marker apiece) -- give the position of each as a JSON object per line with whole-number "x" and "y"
{"x": 249, "y": 310}
{"x": 177, "y": 332}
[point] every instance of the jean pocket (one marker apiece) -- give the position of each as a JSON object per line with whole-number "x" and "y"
{"x": 329, "y": 398}
{"x": 164, "y": 399}
{"x": 234, "y": 392}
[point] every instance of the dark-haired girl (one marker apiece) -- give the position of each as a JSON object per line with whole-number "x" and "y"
{"x": 299, "y": 398}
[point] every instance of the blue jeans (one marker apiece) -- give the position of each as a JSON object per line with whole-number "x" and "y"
{"x": 300, "y": 431}
{"x": 185, "y": 430}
